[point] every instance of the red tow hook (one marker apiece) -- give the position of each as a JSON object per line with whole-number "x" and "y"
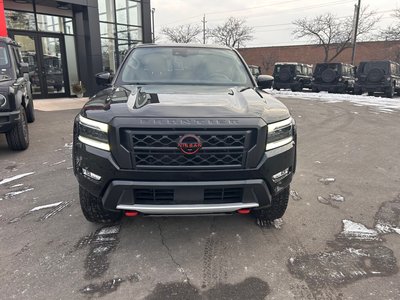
{"x": 244, "y": 211}
{"x": 132, "y": 213}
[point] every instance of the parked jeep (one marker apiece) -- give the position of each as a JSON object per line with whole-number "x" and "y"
{"x": 16, "y": 105}
{"x": 255, "y": 70}
{"x": 294, "y": 76}
{"x": 378, "y": 76}
{"x": 333, "y": 77}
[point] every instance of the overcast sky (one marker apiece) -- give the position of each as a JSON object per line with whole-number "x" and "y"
{"x": 271, "y": 19}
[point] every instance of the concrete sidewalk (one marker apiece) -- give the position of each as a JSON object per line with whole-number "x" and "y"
{"x": 59, "y": 104}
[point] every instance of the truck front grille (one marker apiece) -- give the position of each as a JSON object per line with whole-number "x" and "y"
{"x": 167, "y": 196}
{"x": 223, "y": 195}
{"x": 159, "y": 149}
{"x": 154, "y": 196}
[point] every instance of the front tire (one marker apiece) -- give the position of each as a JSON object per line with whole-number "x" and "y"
{"x": 18, "y": 136}
{"x": 30, "y": 112}
{"x": 277, "y": 209}
{"x": 390, "y": 92}
{"x": 94, "y": 211}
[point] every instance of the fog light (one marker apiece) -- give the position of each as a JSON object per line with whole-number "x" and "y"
{"x": 89, "y": 174}
{"x": 279, "y": 176}
{"x": 132, "y": 213}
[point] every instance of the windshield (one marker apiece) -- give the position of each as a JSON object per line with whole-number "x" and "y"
{"x": 178, "y": 65}
{"x": 4, "y": 62}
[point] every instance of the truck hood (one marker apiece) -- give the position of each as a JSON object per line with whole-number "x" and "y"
{"x": 166, "y": 101}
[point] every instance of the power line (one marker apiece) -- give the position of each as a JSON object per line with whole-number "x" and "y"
{"x": 333, "y": 3}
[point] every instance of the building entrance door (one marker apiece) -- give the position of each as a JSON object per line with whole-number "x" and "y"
{"x": 45, "y": 54}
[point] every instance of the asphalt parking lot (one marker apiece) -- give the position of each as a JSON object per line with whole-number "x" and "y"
{"x": 340, "y": 237}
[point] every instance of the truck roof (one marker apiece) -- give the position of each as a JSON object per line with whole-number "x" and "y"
{"x": 177, "y": 45}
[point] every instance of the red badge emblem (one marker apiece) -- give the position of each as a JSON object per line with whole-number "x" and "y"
{"x": 189, "y": 144}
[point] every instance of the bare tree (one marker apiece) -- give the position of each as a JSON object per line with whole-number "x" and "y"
{"x": 182, "y": 34}
{"x": 233, "y": 33}
{"x": 333, "y": 34}
{"x": 392, "y": 32}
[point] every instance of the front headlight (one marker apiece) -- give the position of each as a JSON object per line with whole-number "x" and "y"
{"x": 93, "y": 133}
{"x": 280, "y": 134}
{"x": 3, "y": 100}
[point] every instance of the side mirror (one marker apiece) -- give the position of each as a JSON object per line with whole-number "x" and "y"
{"x": 104, "y": 78}
{"x": 24, "y": 68}
{"x": 265, "y": 81}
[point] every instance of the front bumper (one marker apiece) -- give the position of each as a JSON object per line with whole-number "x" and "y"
{"x": 8, "y": 120}
{"x": 117, "y": 186}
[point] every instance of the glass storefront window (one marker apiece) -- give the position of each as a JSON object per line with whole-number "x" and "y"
{"x": 20, "y": 20}
{"x": 54, "y": 24}
{"x": 49, "y": 23}
{"x": 108, "y": 54}
{"x": 128, "y": 12}
{"x": 106, "y": 10}
{"x": 129, "y": 32}
{"x": 107, "y": 30}
{"x": 122, "y": 51}
{"x": 122, "y": 32}
{"x": 68, "y": 26}
{"x": 134, "y": 13}
{"x": 71, "y": 60}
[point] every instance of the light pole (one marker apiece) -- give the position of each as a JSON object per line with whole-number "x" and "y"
{"x": 152, "y": 19}
{"x": 355, "y": 29}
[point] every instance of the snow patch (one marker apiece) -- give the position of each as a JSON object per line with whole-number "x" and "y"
{"x": 357, "y": 231}
{"x": 7, "y": 180}
{"x": 58, "y": 163}
{"x": 327, "y": 180}
{"x": 45, "y": 206}
{"x": 12, "y": 194}
{"x": 109, "y": 230}
{"x": 17, "y": 185}
{"x": 383, "y": 104}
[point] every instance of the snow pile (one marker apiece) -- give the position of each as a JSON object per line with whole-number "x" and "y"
{"x": 381, "y": 103}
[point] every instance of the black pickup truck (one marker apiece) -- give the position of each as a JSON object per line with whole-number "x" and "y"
{"x": 16, "y": 104}
{"x": 183, "y": 130}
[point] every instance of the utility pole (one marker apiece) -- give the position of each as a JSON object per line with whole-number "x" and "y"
{"x": 152, "y": 19}
{"x": 355, "y": 29}
{"x": 204, "y": 29}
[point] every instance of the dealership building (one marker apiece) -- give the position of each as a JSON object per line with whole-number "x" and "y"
{"x": 67, "y": 42}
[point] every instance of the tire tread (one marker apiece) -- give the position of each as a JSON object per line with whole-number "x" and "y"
{"x": 94, "y": 211}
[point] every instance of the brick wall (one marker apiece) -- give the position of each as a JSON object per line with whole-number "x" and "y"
{"x": 265, "y": 57}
